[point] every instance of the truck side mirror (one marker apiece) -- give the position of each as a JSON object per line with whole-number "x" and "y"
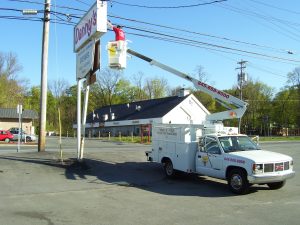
{"x": 201, "y": 142}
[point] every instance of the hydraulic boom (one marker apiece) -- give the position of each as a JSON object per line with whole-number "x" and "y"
{"x": 225, "y": 99}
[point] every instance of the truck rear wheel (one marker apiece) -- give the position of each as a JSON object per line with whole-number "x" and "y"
{"x": 276, "y": 185}
{"x": 237, "y": 181}
{"x": 168, "y": 167}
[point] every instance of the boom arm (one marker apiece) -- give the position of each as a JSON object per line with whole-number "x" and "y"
{"x": 225, "y": 99}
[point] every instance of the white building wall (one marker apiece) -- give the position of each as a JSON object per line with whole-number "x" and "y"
{"x": 188, "y": 111}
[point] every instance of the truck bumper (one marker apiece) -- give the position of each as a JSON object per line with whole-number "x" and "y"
{"x": 270, "y": 178}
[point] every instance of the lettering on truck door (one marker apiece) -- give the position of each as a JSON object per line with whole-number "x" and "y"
{"x": 209, "y": 158}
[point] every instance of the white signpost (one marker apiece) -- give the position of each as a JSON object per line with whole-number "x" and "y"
{"x": 19, "y": 111}
{"x": 90, "y": 28}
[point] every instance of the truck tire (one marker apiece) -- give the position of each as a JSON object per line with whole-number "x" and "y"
{"x": 169, "y": 169}
{"x": 237, "y": 181}
{"x": 276, "y": 185}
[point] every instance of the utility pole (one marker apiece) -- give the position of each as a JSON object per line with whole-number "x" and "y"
{"x": 44, "y": 73}
{"x": 241, "y": 78}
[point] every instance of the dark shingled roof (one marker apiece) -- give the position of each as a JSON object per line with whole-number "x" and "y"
{"x": 12, "y": 114}
{"x": 154, "y": 108}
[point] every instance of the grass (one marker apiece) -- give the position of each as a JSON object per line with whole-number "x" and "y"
{"x": 280, "y": 138}
{"x": 137, "y": 139}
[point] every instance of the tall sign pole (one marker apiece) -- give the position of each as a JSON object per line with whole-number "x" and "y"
{"x": 44, "y": 74}
{"x": 87, "y": 48}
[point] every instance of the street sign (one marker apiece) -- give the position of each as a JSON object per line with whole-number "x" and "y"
{"x": 19, "y": 109}
{"x": 88, "y": 59}
{"x": 84, "y": 60}
{"x": 92, "y": 25}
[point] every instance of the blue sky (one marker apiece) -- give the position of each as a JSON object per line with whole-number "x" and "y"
{"x": 266, "y": 28}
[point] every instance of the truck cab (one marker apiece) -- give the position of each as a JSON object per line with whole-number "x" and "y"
{"x": 240, "y": 161}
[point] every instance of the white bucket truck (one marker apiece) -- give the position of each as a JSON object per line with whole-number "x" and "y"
{"x": 218, "y": 152}
{"x": 214, "y": 150}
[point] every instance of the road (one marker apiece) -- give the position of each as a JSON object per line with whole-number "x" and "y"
{"x": 118, "y": 186}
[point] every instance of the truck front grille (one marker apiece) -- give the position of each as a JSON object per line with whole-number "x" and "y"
{"x": 269, "y": 168}
{"x": 275, "y": 167}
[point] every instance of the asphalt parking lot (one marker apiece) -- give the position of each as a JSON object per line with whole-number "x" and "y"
{"x": 117, "y": 186}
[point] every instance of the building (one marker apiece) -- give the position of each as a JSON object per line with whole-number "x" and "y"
{"x": 137, "y": 117}
{"x": 10, "y": 118}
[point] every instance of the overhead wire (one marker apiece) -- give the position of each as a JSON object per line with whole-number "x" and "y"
{"x": 283, "y": 24}
{"x": 201, "y": 34}
{"x": 169, "y": 38}
{"x": 169, "y": 7}
{"x": 218, "y": 46}
{"x": 275, "y": 7}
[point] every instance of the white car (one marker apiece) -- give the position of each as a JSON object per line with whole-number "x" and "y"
{"x": 27, "y": 137}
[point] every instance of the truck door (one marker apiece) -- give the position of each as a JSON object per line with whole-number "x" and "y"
{"x": 209, "y": 159}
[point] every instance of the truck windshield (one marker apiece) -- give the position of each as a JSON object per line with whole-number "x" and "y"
{"x": 237, "y": 143}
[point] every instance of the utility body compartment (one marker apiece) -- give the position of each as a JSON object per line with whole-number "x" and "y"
{"x": 177, "y": 142}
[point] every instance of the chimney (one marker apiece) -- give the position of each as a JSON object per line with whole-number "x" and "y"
{"x": 183, "y": 92}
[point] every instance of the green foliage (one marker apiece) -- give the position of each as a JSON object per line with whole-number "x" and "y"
{"x": 264, "y": 110}
{"x": 12, "y": 88}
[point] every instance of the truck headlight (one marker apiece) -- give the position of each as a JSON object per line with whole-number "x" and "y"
{"x": 257, "y": 168}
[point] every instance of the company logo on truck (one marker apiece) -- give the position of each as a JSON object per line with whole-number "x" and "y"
{"x": 210, "y": 88}
{"x": 167, "y": 131}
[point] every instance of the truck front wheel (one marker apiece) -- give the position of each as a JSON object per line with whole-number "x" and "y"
{"x": 237, "y": 181}
{"x": 168, "y": 167}
{"x": 276, "y": 185}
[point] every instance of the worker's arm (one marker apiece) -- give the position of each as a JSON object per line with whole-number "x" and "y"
{"x": 109, "y": 24}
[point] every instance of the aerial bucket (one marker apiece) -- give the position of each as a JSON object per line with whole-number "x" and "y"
{"x": 117, "y": 54}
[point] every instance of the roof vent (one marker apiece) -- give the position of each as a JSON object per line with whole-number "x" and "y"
{"x": 105, "y": 117}
{"x": 112, "y": 116}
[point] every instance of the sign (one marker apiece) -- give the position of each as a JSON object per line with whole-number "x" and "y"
{"x": 88, "y": 59}
{"x": 19, "y": 109}
{"x": 92, "y": 25}
{"x": 84, "y": 60}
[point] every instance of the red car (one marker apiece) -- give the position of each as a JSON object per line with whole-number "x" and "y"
{"x": 6, "y": 136}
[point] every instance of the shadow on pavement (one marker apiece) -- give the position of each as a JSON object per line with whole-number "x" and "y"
{"x": 143, "y": 175}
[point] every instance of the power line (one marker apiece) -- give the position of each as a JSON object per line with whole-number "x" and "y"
{"x": 275, "y": 7}
{"x": 198, "y": 33}
{"x": 217, "y": 46}
{"x": 26, "y": 1}
{"x": 270, "y": 19}
{"x": 169, "y": 7}
{"x": 204, "y": 47}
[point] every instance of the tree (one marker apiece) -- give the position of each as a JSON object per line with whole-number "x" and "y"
{"x": 258, "y": 114}
{"x": 284, "y": 111}
{"x": 294, "y": 81}
{"x": 58, "y": 88}
{"x": 156, "y": 88}
{"x": 106, "y": 85}
{"x": 138, "y": 82}
{"x": 12, "y": 89}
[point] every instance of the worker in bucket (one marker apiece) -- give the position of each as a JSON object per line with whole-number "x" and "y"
{"x": 120, "y": 35}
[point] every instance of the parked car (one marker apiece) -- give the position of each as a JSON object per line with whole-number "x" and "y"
{"x": 6, "y": 136}
{"x": 27, "y": 137}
